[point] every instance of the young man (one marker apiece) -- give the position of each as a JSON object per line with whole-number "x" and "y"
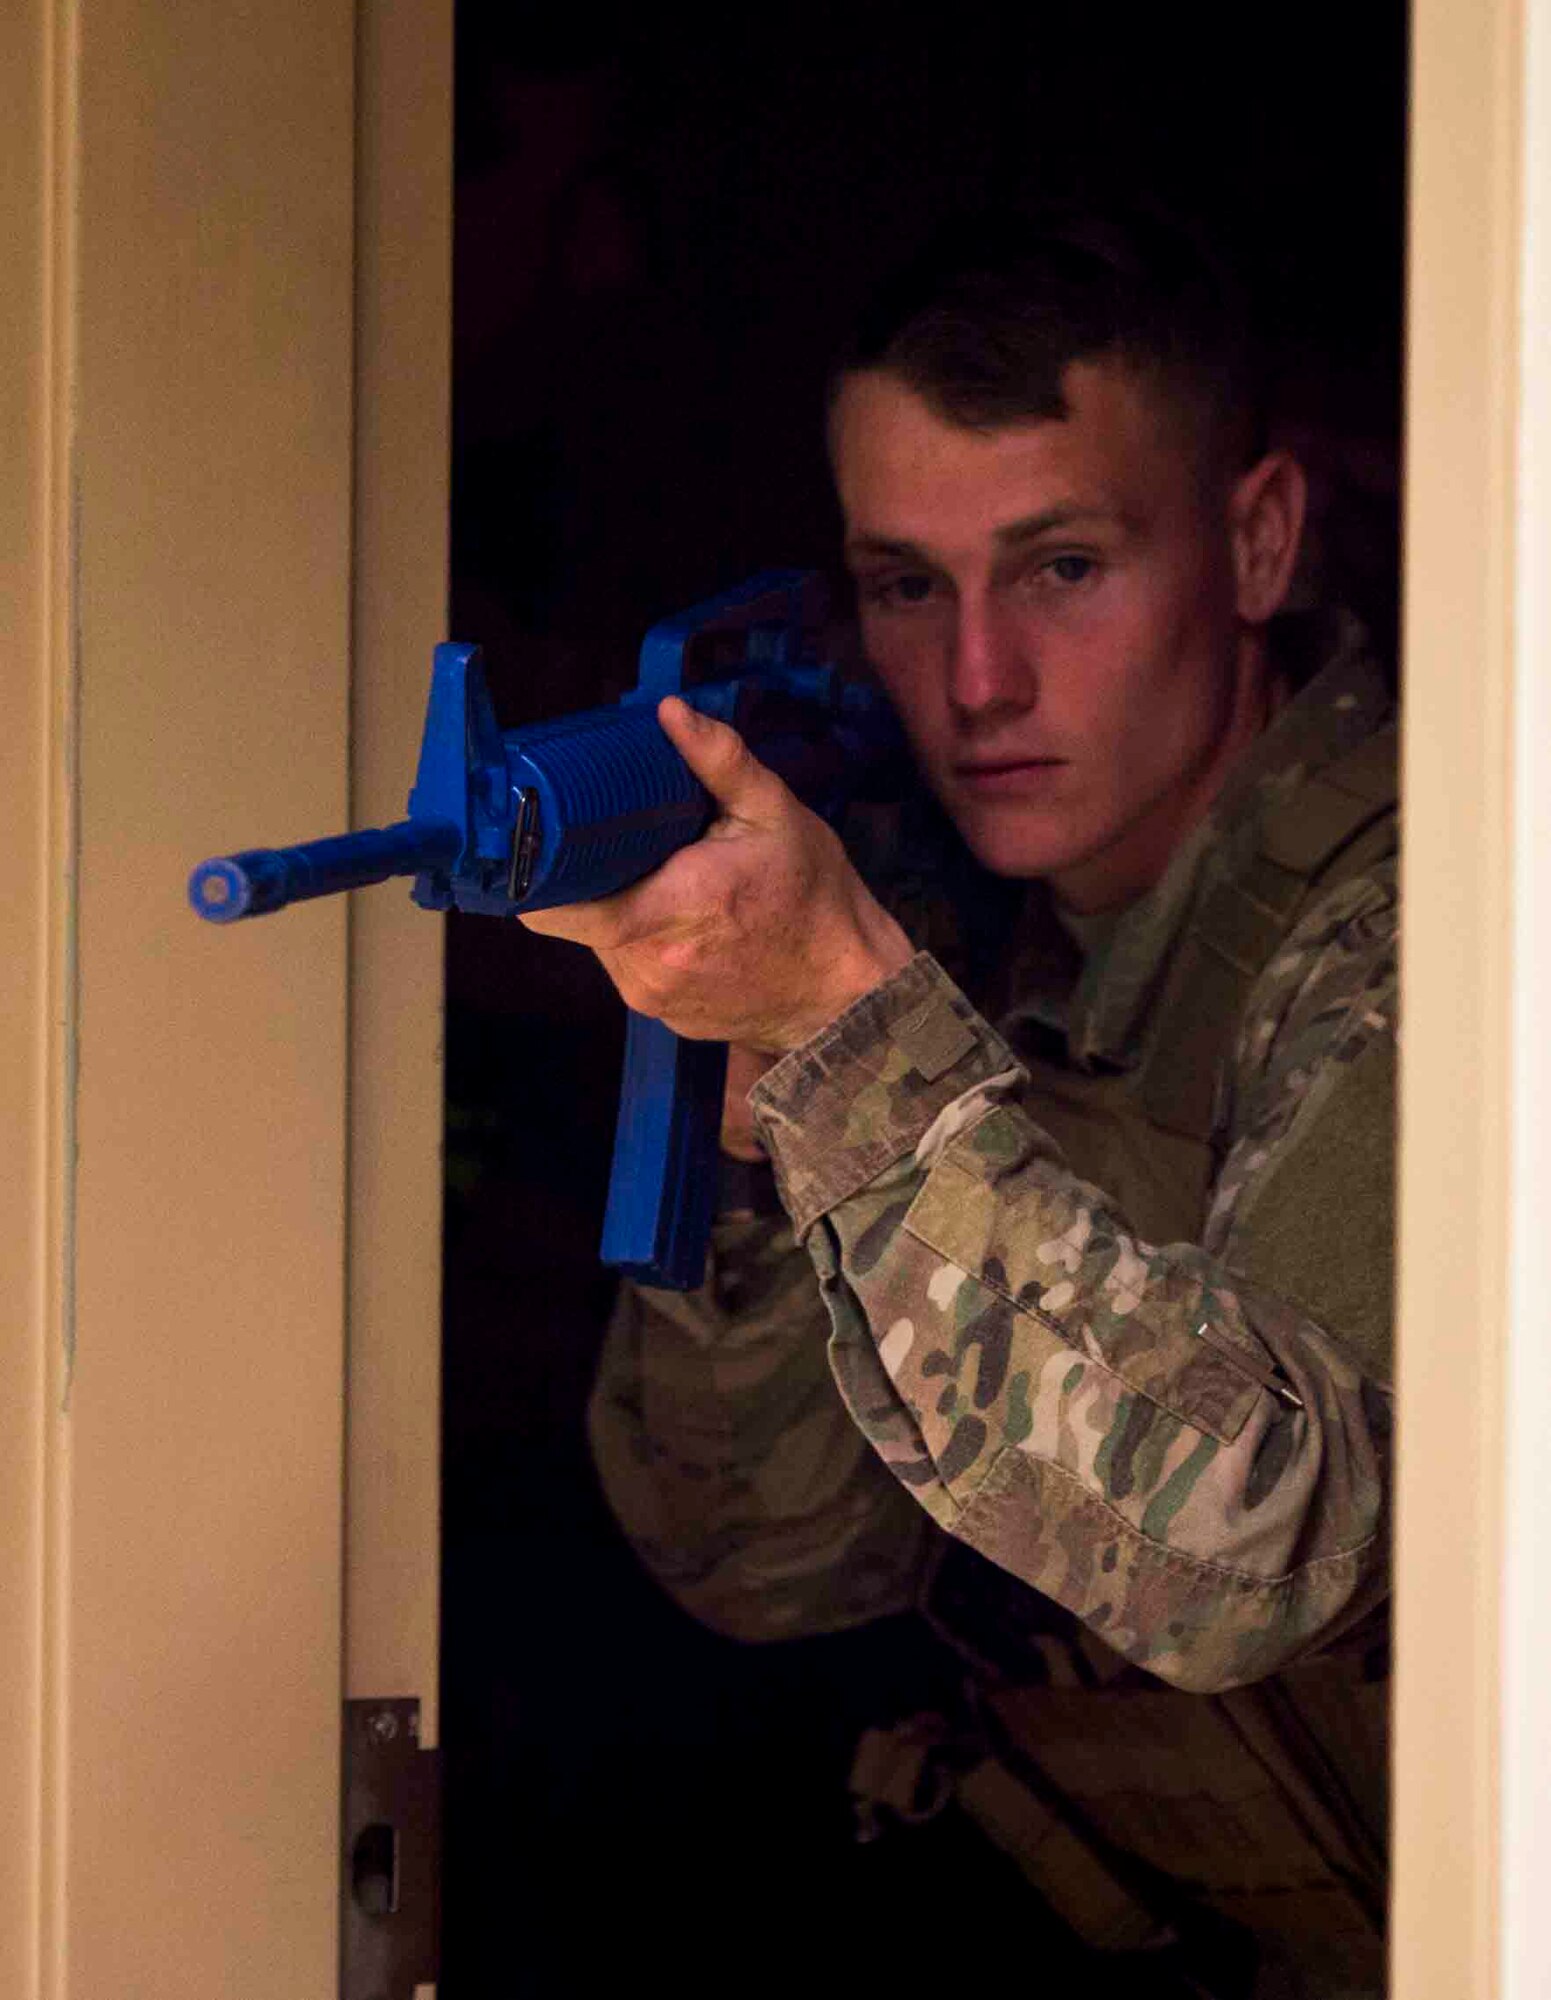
{"x": 1106, "y": 1284}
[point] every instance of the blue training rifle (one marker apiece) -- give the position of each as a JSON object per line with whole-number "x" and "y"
{"x": 577, "y": 808}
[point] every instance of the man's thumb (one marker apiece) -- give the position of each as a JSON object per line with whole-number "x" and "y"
{"x": 719, "y": 758}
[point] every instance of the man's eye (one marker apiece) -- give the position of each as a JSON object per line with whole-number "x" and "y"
{"x": 1071, "y": 569}
{"x": 900, "y": 592}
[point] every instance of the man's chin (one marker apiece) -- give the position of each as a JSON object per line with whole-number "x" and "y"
{"x": 1020, "y": 852}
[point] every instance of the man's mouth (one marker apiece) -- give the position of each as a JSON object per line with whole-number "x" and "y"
{"x": 1007, "y": 774}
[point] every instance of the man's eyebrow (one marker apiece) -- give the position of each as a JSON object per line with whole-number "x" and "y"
{"x": 1032, "y": 526}
{"x": 1012, "y": 535}
{"x": 880, "y": 545}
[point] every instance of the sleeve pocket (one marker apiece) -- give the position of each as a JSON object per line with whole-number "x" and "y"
{"x": 981, "y": 1220}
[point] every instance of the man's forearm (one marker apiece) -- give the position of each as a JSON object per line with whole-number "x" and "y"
{"x": 1192, "y": 1467}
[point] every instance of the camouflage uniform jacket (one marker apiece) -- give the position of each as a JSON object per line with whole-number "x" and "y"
{"x": 1176, "y": 1440}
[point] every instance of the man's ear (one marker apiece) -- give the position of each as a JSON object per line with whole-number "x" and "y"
{"x": 1265, "y": 525}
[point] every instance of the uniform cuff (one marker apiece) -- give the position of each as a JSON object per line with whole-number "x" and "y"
{"x": 839, "y": 1110}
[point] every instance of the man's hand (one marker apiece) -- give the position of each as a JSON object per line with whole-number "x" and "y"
{"x": 759, "y": 933}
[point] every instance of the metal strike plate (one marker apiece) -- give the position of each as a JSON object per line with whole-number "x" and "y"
{"x": 389, "y": 1900}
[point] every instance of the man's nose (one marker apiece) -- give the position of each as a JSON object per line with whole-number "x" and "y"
{"x": 992, "y": 670}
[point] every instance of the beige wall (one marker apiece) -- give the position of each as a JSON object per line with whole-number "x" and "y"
{"x": 178, "y": 385}
{"x": 198, "y": 1677}
{"x": 30, "y": 576}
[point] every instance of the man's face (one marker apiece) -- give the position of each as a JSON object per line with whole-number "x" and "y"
{"x": 1052, "y": 608}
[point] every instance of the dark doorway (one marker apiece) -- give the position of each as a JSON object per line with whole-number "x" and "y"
{"x": 662, "y": 228}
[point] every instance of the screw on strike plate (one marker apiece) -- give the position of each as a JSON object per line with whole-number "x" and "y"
{"x": 383, "y": 1726}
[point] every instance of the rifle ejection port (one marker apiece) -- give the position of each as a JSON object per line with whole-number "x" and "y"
{"x": 527, "y": 837}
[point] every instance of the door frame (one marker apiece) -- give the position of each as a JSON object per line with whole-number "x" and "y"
{"x": 223, "y": 392}
{"x": 1473, "y": 1552}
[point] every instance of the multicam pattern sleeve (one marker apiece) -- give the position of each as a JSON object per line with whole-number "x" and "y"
{"x": 1183, "y": 1456}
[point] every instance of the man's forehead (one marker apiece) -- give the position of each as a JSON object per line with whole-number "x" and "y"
{"x": 906, "y": 473}
{"x": 1010, "y": 534}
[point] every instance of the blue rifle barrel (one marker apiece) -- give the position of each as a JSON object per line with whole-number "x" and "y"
{"x": 267, "y": 878}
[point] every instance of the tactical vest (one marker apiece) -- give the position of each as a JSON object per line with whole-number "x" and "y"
{"x": 1124, "y": 1801}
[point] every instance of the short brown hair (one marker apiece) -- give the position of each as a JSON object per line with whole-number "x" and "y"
{"x": 983, "y": 323}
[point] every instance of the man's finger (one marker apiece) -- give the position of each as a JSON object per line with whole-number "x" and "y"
{"x": 742, "y": 786}
{"x": 646, "y": 909}
{"x": 595, "y": 925}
